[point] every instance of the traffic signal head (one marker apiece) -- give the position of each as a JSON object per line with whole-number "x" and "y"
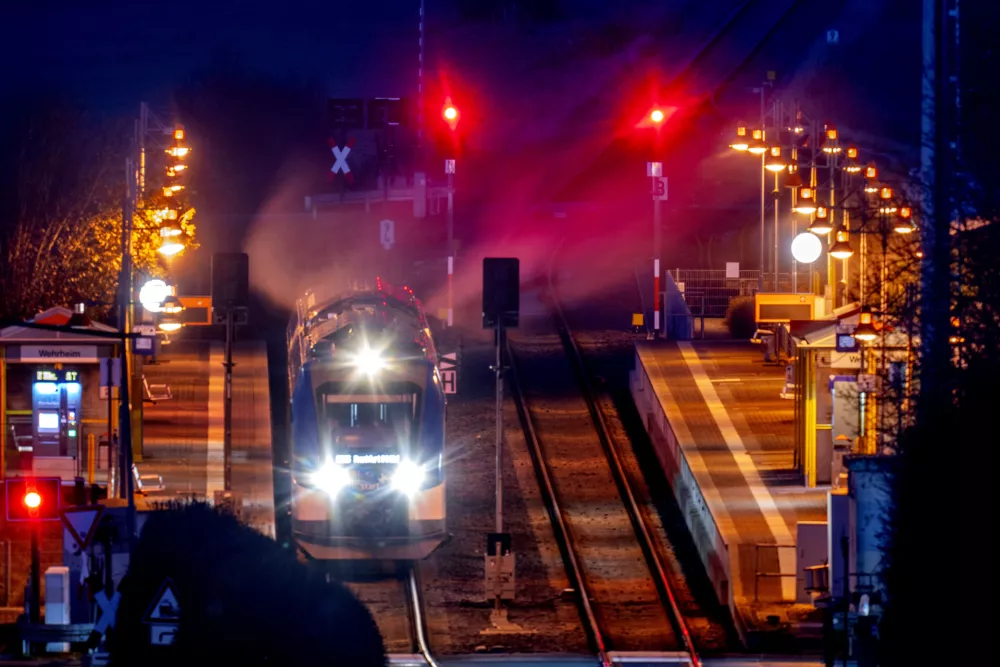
{"x": 449, "y": 112}
{"x": 35, "y": 499}
{"x": 32, "y": 500}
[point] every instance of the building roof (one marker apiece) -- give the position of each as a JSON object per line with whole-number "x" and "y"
{"x": 57, "y": 316}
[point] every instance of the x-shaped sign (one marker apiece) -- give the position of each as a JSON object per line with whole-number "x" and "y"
{"x": 340, "y": 159}
{"x": 109, "y": 609}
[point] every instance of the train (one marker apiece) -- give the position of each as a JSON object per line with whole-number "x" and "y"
{"x": 367, "y": 427}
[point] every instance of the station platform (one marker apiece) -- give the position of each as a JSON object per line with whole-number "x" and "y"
{"x": 183, "y": 439}
{"x": 724, "y": 437}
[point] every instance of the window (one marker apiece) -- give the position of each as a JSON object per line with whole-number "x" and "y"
{"x": 389, "y": 413}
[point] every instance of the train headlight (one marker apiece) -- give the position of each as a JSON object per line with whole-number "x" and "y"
{"x": 331, "y": 478}
{"x": 408, "y": 478}
{"x": 368, "y": 361}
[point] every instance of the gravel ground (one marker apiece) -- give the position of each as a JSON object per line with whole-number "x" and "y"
{"x": 386, "y": 599}
{"x": 625, "y": 598}
{"x": 453, "y": 577}
{"x": 609, "y": 357}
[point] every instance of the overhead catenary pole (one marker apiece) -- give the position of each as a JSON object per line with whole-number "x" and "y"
{"x": 937, "y": 165}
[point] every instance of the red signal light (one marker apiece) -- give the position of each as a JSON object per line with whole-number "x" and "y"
{"x": 450, "y": 113}
{"x": 32, "y": 500}
{"x": 656, "y": 115}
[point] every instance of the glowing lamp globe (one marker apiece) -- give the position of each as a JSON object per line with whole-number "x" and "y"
{"x": 153, "y": 294}
{"x": 806, "y": 248}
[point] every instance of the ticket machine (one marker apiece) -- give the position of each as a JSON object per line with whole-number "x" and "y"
{"x": 55, "y": 405}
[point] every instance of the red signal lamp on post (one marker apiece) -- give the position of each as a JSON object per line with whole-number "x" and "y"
{"x": 33, "y": 499}
{"x": 450, "y": 114}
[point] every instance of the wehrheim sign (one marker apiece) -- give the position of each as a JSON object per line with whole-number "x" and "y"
{"x": 54, "y": 354}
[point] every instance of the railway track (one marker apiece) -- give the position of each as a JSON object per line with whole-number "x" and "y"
{"x": 396, "y": 602}
{"x": 624, "y": 592}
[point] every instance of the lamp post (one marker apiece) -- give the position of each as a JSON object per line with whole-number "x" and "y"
{"x": 890, "y": 218}
{"x": 776, "y": 165}
{"x": 135, "y": 184}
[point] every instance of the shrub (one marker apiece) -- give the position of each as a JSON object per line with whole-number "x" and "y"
{"x": 243, "y": 600}
{"x": 741, "y": 319}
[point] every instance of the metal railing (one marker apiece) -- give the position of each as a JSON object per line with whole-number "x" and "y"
{"x": 757, "y": 574}
{"x": 714, "y": 289}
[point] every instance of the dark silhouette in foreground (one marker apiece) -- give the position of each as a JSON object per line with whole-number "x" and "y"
{"x": 243, "y": 600}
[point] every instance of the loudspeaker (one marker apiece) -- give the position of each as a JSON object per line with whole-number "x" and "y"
{"x": 501, "y": 292}
{"x": 230, "y": 280}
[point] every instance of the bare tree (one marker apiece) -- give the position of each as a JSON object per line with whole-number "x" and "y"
{"x": 65, "y": 244}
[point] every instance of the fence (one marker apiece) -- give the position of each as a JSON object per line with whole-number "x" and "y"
{"x": 758, "y": 573}
{"x": 709, "y": 291}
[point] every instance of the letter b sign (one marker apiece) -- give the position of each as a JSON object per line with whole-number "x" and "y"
{"x": 660, "y": 188}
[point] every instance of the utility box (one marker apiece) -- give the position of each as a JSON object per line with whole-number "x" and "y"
{"x": 57, "y": 603}
{"x": 810, "y": 551}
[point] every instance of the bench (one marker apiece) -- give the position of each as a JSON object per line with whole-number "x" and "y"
{"x": 147, "y": 483}
{"x": 154, "y": 393}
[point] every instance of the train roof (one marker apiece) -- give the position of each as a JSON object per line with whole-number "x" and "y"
{"x": 373, "y": 309}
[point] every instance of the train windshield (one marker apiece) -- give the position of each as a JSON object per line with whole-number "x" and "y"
{"x": 378, "y": 421}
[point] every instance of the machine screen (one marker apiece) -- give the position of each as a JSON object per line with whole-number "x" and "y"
{"x": 48, "y": 421}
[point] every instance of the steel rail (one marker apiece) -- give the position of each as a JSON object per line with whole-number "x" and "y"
{"x": 642, "y": 531}
{"x": 418, "y": 618}
{"x": 562, "y": 535}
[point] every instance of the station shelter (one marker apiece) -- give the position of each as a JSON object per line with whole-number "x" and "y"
{"x": 839, "y": 390}
{"x": 54, "y": 413}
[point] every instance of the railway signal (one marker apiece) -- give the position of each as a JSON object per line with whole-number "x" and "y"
{"x": 450, "y": 114}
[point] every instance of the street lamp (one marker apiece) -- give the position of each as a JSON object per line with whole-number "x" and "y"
{"x": 757, "y": 146}
{"x": 807, "y": 201}
{"x": 774, "y": 163}
{"x": 171, "y": 306}
{"x": 741, "y": 142}
{"x": 135, "y": 171}
{"x": 170, "y": 323}
{"x": 821, "y": 226}
{"x": 852, "y": 166}
{"x": 153, "y": 294}
{"x": 170, "y": 247}
{"x": 865, "y": 331}
{"x": 842, "y": 248}
{"x": 871, "y": 178}
{"x": 904, "y": 223}
{"x": 806, "y": 248}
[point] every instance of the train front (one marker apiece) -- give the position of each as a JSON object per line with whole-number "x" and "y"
{"x": 368, "y": 436}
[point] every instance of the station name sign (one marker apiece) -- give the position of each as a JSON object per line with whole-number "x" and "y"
{"x": 59, "y": 353}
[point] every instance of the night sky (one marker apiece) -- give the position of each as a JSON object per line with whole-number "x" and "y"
{"x": 111, "y": 54}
